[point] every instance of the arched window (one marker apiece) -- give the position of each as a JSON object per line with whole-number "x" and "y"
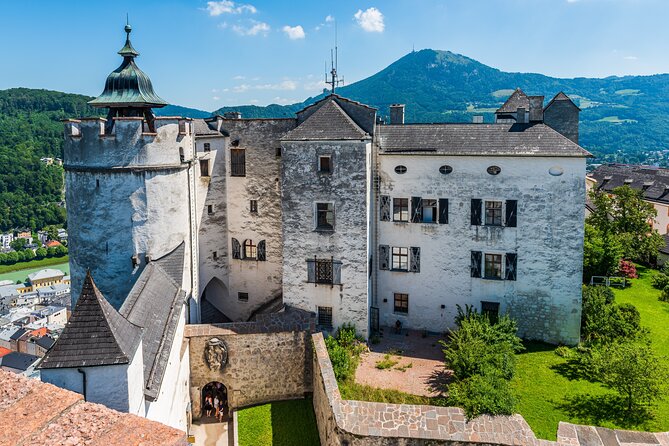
{"x": 250, "y": 250}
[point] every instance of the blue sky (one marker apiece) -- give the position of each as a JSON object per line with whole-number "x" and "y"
{"x": 208, "y": 54}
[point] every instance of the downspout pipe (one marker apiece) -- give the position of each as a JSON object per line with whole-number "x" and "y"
{"x": 83, "y": 378}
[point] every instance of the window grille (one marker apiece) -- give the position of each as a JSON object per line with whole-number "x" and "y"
{"x": 325, "y": 317}
{"x": 323, "y": 271}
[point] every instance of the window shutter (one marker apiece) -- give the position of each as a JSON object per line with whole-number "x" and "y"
{"x": 262, "y": 255}
{"x": 511, "y": 211}
{"x": 416, "y": 209}
{"x": 510, "y": 266}
{"x": 384, "y": 211}
{"x": 336, "y": 272}
{"x": 243, "y": 251}
{"x": 236, "y": 249}
{"x": 384, "y": 257}
{"x": 311, "y": 270}
{"x": 414, "y": 265}
{"x": 443, "y": 211}
{"x": 476, "y": 263}
{"x": 476, "y": 212}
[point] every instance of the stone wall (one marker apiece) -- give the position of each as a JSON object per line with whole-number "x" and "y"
{"x": 268, "y": 360}
{"x": 359, "y": 423}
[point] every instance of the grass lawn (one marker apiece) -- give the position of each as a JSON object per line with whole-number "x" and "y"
{"x": 20, "y": 271}
{"x": 351, "y": 390}
{"x": 282, "y": 423}
{"x": 547, "y": 397}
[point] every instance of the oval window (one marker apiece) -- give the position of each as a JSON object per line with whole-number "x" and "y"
{"x": 494, "y": 170}
{"x": 401, "y": 169}
{"x": 556, "y": 171}
{"x": 445, "y": 170}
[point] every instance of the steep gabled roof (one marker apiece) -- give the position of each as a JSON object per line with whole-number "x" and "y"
{"x": 561, "y": 97}
{"x": 173, "y": 263}
{"x": 517, "y": 99}
{"x": 95, "y": 335}
{"x": 329, "y": 122}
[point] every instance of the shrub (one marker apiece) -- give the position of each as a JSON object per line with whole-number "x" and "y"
{"x": 341, "y": 358}
{"x": 660, "y": 280}
{"x": 479, "y": 394}
{"x": 627, "y": 269}
{"x": 603, "y": 321}
{"x": 664, "y": 295}
{"x": 563, "y": 351}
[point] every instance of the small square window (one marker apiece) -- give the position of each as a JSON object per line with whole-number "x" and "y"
{"x": 204, "y": 168}
{"x": 400, "y": 259}
{"x": 244, "y": 297}
{"x": 325, "y": 164}
{"x": 325, "y": 216}
{"x": 210, "y": 209}
{"x": 278, "y": 152}
{"x": 401, "y": 303}
{"x": 214, "y": 255}
{"x": 325, "y": 317}
{"x": 254, "y": 206}
{"x": 493, "y": 266}
{"x": 493, "y": 213}
{"x": 207, "y": 147}
{"x": 400, "y": 209}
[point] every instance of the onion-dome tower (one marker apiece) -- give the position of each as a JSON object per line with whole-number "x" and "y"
{"x": 128, "y": 90}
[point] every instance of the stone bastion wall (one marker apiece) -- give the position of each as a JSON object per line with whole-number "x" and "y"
{"x": 359, "y": 423}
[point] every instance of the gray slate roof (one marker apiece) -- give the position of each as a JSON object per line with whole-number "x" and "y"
{"x": 206, "y": 128}
{"x": 156, "y": 303}
{"x": 18, "y": 361}
{"x": 95, "y": 335}
{"x": 652, "y": 181}
{"x": 561, "y": 97}
{"x": 329, "y": 122}
{"x": 478, "y": 140}
{"x": 517, "y": 99}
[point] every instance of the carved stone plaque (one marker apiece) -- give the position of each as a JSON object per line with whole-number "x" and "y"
{"x": 216, "y": 354}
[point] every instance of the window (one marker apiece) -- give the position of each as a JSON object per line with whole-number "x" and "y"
{"x": 400, "y": 209}
{"x": 401, "y": 303}
{"x": 250, "y": 250}
{"x": 323, "y": 271}
{"x": 237, "y": 162}
{"x": 214, "y": 255}
{"x": 493, "y": 213}
{"x": 445, "y": 170}
{"x": 207, "y": 147}
{"x": 210, "y": 209}
{"x": 493, "y": 266}
{"x": 401, "y": 169}
{"x": 325, "y": 164}
{"x": 325, "y": 216}
{"x": 325, "y": 317}
{"x": 494, "y": 170}
{"x": 490, "y": 309}
{"x": 204, "y": 168}
{"x": 244, "y": 297}
{"x": 254, "y": 206}
{"x": 429, "y": 211}
{"x": 278, "y": 152}
{"x": 400, "y": 259}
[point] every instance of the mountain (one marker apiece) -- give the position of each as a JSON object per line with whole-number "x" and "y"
{"x": 625, "y": 114}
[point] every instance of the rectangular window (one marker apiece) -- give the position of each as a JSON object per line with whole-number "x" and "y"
{"x": 324, "y": 164}
{"x": 323, "y": 271}
{"x": 325, "y": 317}
{"x": 278, "y": 152}
{"x": 400, "y": 259}
{"x": 237, "y": 162}
{"x": 210, "y": 209}
{"x": 325, "y": 216}
{"x": 207, "y": 147}
{"x": 244, "y": 297}
{"x": 254, "y": 206}
{"x": 493, "y": 266}
{"x": 401, "y": 303}
{"x": 400, "y": 209}
{"x": 250, "y": 250}
{"x": 204, "y": 168}
{"x": 490, "y": 309}
{"x": 493, "y": 213}
{"x": 429, "y": 211}
{"x": 214, "y": 255}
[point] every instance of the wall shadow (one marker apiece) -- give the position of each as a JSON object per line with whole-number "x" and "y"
{"x": 599, "y": 409}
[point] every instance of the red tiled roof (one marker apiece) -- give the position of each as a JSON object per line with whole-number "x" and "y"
{"x": 4, "y": 351}
{"x": 52, "y": 243}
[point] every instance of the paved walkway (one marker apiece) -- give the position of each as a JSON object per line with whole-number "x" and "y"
{"x": 420, "y": 363}
{"x": 210, "y": 433}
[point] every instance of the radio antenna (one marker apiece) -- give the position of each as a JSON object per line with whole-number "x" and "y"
{"x": 334, "y": 80}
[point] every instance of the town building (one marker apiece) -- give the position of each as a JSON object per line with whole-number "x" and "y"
{"x": 46, "y": 277}
{"x": 5, "y": 240}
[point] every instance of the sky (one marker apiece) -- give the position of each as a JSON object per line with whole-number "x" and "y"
{"x": 207, "y": 54}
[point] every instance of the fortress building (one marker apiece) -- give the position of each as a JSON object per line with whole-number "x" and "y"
{"x": 176, "y": 221}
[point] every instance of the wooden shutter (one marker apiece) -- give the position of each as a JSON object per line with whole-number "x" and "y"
{"x": 414, "y": 261}
{"x": 262, "y": 254}
{"x": 236, "y": 249}
{"x": 416, "y": 209}
{"x": 336, "y": 272}
{"x": 511, "y": 211}
{"x": 476, "y": 212}
{"x": 510, "y": 266}
{"x": 384, "y": 257}
{"x": 443, "y": 211}
{"x": 384, "y": 211}
{"x": 243, "y": 252}
{"x": 476, "y": 263}
{"x": 311, "y": 270}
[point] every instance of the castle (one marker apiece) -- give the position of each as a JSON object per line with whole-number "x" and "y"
{"x": 176, "y": 221}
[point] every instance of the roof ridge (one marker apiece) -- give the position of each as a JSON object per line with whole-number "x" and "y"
{"x": 329, "y": 122}
{"x": 348, "y": 118}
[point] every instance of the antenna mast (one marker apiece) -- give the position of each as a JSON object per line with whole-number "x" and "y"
{"x": 334, "y": 80}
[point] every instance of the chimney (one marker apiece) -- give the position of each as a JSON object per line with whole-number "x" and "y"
{"x": 232, "y": 115}
{"x": 520, "y": 115}
{"x": 536, "y": 108}
{"x": 397, "y": 114}
{"x": 477, "y": 119}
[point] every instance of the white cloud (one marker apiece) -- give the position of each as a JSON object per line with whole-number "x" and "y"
{"x": 294, "y": 32}
{"x": 254, "y": 101}
{"x": 329, "y": 19}
{"x": 257, "y": 28}
{"x": 370, "y": 20}
{"x": 315, "y": 85}
{"x": 239, "y": 77}
{"x": 284, "y": 101}
{"x": 286, "y": 85}
{"x": 229, "y": 7}
{"x": 215, "y": 98}
{"x": 630, "y": 58}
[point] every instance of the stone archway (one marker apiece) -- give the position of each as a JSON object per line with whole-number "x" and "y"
{"x": 214, "y": 403}
{"x": 213, "y": 301}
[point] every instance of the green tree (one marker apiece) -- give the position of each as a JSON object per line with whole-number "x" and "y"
{"x": 52, "y": 232}
{"x": 60, "y": 251}
{"x": 603, "y": 321}
{"x": 40, "y": 253}
{"x": 51, "y": 252}
{"x": 18, "y": 244}
{"x": 28, "y": 254}
{"x": 12, "y": 257}
{"x": 601, "y": 252}
{"x": 3, "y": 258}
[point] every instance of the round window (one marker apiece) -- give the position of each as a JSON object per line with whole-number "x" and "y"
{"x": 445, "y": 170}
{"x": 494, "y": 170}
{"x": 556, "y": 171}
{"x": 401, "y": 169}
